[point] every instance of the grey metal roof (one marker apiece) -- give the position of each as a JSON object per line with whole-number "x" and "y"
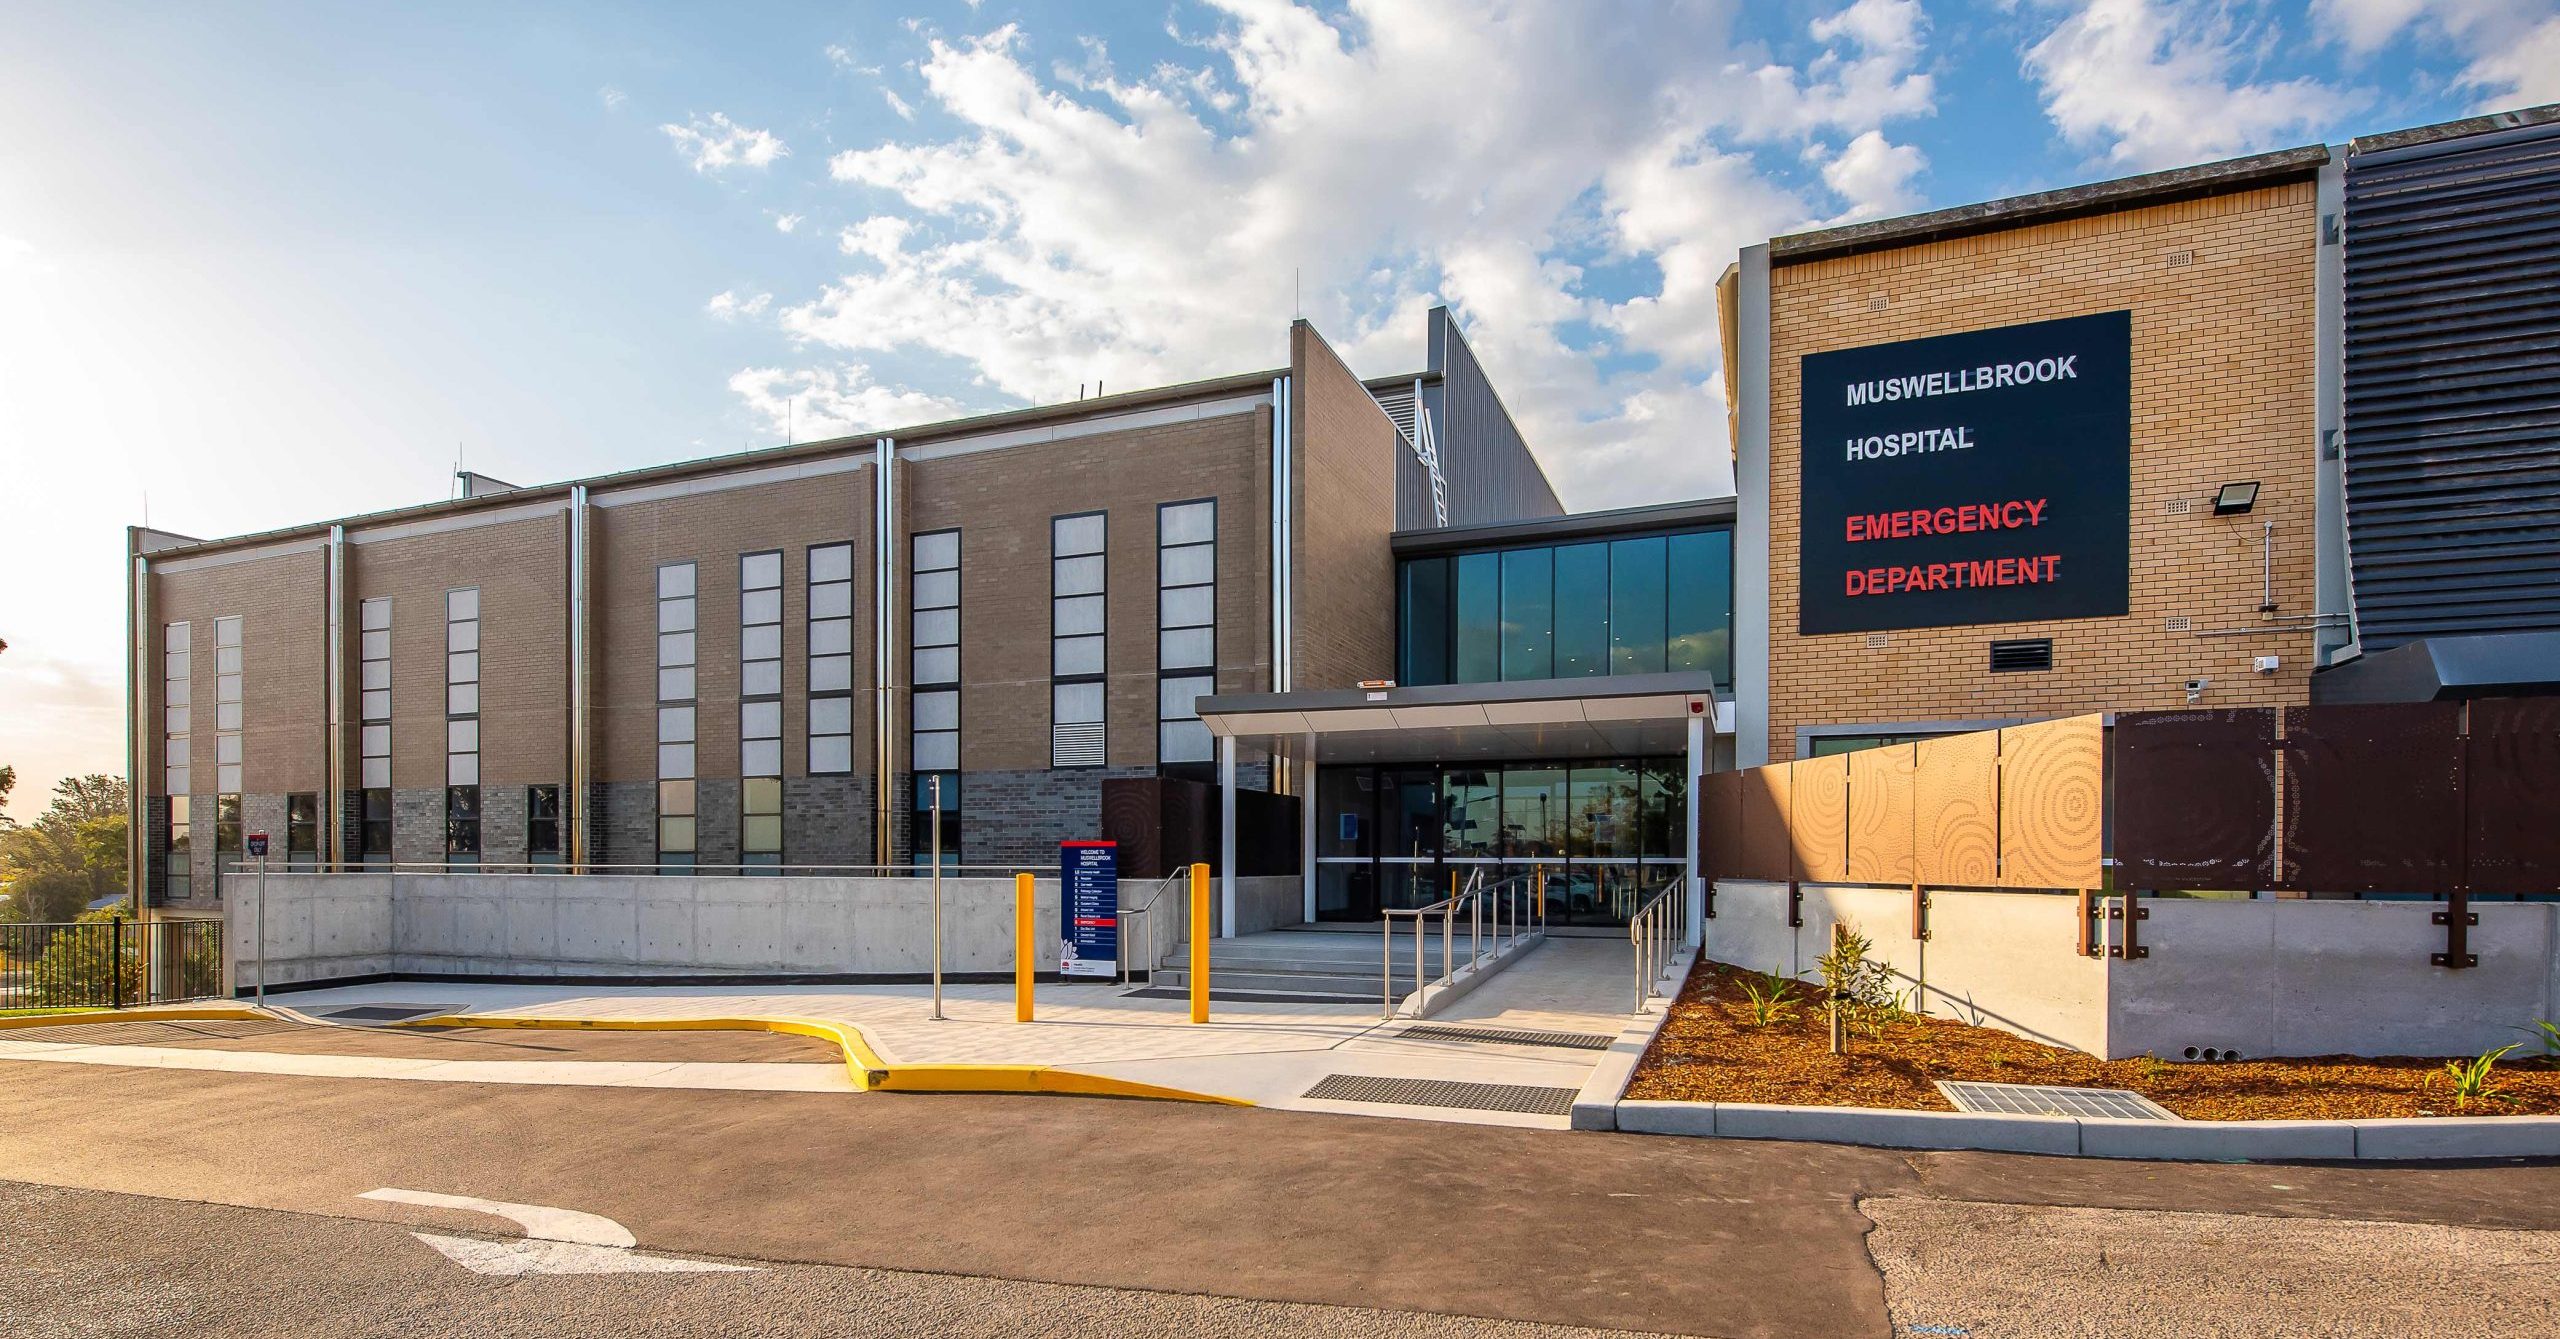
{"x": 2100, "y": 197}
{"x": 1574, "y": 525}
{"x": 2444, "y": 669}
{"x": 2443, "y": 130}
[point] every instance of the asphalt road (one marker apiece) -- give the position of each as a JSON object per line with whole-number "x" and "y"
{"x": 1148, "y": 1213}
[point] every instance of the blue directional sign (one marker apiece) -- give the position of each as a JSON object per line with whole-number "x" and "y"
{"x": 1089, "y": 908}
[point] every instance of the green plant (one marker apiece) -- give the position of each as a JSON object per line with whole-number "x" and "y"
{"x": 1860, "y": 990}
{"x": 2548, "y": 1033}
{"x": 1775, "y": 1005}
{"x": 2469, "y": 1079}
{"x": 2153, "y": 1068}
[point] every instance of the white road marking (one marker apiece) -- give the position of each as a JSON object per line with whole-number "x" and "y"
{"x": 561, "y": 1257}
{"x": 557, "y": 1241}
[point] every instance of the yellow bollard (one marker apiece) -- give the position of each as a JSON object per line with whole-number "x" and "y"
{"x": 1199, "y": 943}
{"x": 1542, "y": 894}
{"x": 1025, "y": 957}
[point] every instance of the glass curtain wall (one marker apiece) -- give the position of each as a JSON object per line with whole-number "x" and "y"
{"x": 1599, "y": 836}
{"x": 1639, "y": 605}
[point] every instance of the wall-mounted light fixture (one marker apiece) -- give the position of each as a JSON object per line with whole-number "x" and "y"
{"x": 2235, "y": 499}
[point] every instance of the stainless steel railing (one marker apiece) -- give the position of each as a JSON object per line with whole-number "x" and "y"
{"x": 1181, "y": 876}
{"x": 1497, "y": 916}
{"x": 1657, "y": 932}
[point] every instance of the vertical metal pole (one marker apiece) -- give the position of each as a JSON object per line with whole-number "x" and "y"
{"x": 1199, "y": 943}
{"x": 262, "y": 932}
{"x": 937, "y": 897}
{"x": 1023, "y": 952}
{"x": 115, "y": 963}
{"x": 1387, "y": 967}
{"x": 1226, "y": 836}
{"x": 581, "y": 766}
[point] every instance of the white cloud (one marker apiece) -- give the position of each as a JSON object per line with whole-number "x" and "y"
{"x": 612, "y": 98}
{"x": 898, "y": 104}
{"x": 1874, "y": 175}
{"x": 728, "y": 306}
{"x": 1133, "y": 228}
{"x": 2161, "y": 83}
{"x": 717, "y": 142}
{"x": 842, "y": 57}
{"x": 787, "y": 222}
{"x": 819, "y": 402}
{"x": 2513, "y": 46}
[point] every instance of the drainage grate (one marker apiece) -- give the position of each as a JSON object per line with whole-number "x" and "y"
{"x": 2035, "y": 1099}
{"x": 384, "y": 1012}
{"x": 1579, "y": 1041}
{"x": 1523, "y": 1098}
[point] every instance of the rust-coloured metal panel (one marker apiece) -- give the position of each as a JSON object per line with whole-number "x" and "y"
{"x": 1720, "y": 824}
{"x": 2195, "y": 799}
{"x": 1765, "y": 817}
{"x": 1821, "y": 810}
{"x": 1956, "y": 810}
{"x": 2052, "y": 804}
{"x": 2373, "y": 798}
{"x": 2512, "y": 786}
{"x": 1133, "y": 816}
{"x": 1880, "y": 814}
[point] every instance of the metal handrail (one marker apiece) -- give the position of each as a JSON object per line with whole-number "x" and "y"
{"x": 1182, "y": 876}
{"x": 1508, "y": 921}
{"x": 1657, "y": 931}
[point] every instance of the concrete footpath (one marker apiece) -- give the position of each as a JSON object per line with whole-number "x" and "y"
{"x": 1566, "y": 992}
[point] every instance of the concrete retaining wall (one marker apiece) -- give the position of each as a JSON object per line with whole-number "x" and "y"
{"x": 2264, "y": 978}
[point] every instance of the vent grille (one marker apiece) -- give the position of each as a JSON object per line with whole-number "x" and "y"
{"x": 2179, "y": 506}
{"x": 1525, "y": 1099}
{"x": 1076, "y": 745}
{"x": 2178, "y": 258}
{"x": 1877, "y": 641}
{"x": 2178, "y": 623}
{"x": 2035, "y": 653}
{"x": 1579, "y": 1041}
{"x": 1399, "y": 406}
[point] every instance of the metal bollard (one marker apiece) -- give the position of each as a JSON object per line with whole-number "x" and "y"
{"x": 1024, "y": 955}
{"x": 1199, "y": 943}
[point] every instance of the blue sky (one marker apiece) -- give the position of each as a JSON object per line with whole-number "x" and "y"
{"x": 269, "y": 263}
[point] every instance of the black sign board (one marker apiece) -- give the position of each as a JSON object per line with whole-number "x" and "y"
{"x": 1974, "y": 478}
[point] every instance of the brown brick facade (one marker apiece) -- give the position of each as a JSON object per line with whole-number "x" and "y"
{"x": 2221, "y": 295}
{"x": 1343, "y": 470}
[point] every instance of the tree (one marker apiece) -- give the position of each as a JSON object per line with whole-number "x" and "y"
{"x": 70, "y": 855}
{"x": 8, "y": 782}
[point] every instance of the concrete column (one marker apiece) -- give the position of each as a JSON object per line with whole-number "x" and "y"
{"x": 1696, "y": 890}
{"x": 1226, "y": 836}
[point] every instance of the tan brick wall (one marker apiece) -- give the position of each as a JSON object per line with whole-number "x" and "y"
{"x": 712, "y": 530}
{"x": 1002, "y": 502}
{"x": 2222, "y": 391}
{"x": 1343, "y": 465}
{"x": 521, "y": 570}
{"x": 282, "y": 601}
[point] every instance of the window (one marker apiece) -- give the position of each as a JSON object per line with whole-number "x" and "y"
{"x": 301, "y": 831}
{"x": 462, "y": 726}
{"x": 226, "y": 827}
{"x": 760, "y": 708}
{"x": 936, "y": 639}
{"x": 542, "y": 825}
{"x": 830, "y": 659}
{"x": 1076, "y": 639}
{"x": 373, "y": 712}
{"x": 228, "y": 677}
{"x": 950, "y": 783}
{"x": 180, "y": 878}
{"x": 375, "y": 835}
{"x": 1644, "y": 604}
{"x": 177, "y": 680}
{"x": 1186, "y": 628}
{"x": 677, "y": 801}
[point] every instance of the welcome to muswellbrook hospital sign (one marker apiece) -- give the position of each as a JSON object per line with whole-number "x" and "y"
{"x": 1974, "y": 478}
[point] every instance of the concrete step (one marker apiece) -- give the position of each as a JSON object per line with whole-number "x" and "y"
{"x": 1284, "y": 983}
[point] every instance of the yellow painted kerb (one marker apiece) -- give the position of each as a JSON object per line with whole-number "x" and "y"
{"x": 869, "y": 1072}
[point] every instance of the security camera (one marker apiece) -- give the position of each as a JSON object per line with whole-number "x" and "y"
{"x": 2266, "y": 665}
{"x": 2195, "y": 689}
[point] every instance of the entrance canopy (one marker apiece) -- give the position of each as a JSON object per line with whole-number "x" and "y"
{"x": 1619, "y": 716}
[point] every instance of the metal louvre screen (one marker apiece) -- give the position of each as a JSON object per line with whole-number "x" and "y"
{"x": 1076, "y": 745}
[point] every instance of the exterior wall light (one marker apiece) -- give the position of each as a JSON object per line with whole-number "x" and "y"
{"x": 2235, "y": 499}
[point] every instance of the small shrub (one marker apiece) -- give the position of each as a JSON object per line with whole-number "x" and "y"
{"x": 1860, "y": 989}
{"x": 2153, "y": 1068}
{"x": 2548, "y": 1033}
{"x": 1776, "y": 1005}
{"x": 2469, "y": 1079}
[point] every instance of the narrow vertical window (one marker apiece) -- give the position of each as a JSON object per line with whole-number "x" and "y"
{"x": 229, "y": 675}
{"x": 934, "y": 633}
{"x": 542, "y": 825}
{"x": 676, "y": 799}
{"x": 830, "y": 659}
{"x": 760, "y": 709}
{"x": 177, "y": 671}
{"x": 462, "y": 726}
{"x": 1186, "y": 628}
{"x": 302, "y": 831}
{"x": 373, "y": 728}
{"x": 1076, "y": 639}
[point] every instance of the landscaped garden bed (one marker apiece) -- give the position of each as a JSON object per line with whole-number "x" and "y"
{"x": 1718, "y": 1046}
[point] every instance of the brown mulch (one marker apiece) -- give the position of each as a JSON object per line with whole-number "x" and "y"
{"x": 1710, "y": 1051}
